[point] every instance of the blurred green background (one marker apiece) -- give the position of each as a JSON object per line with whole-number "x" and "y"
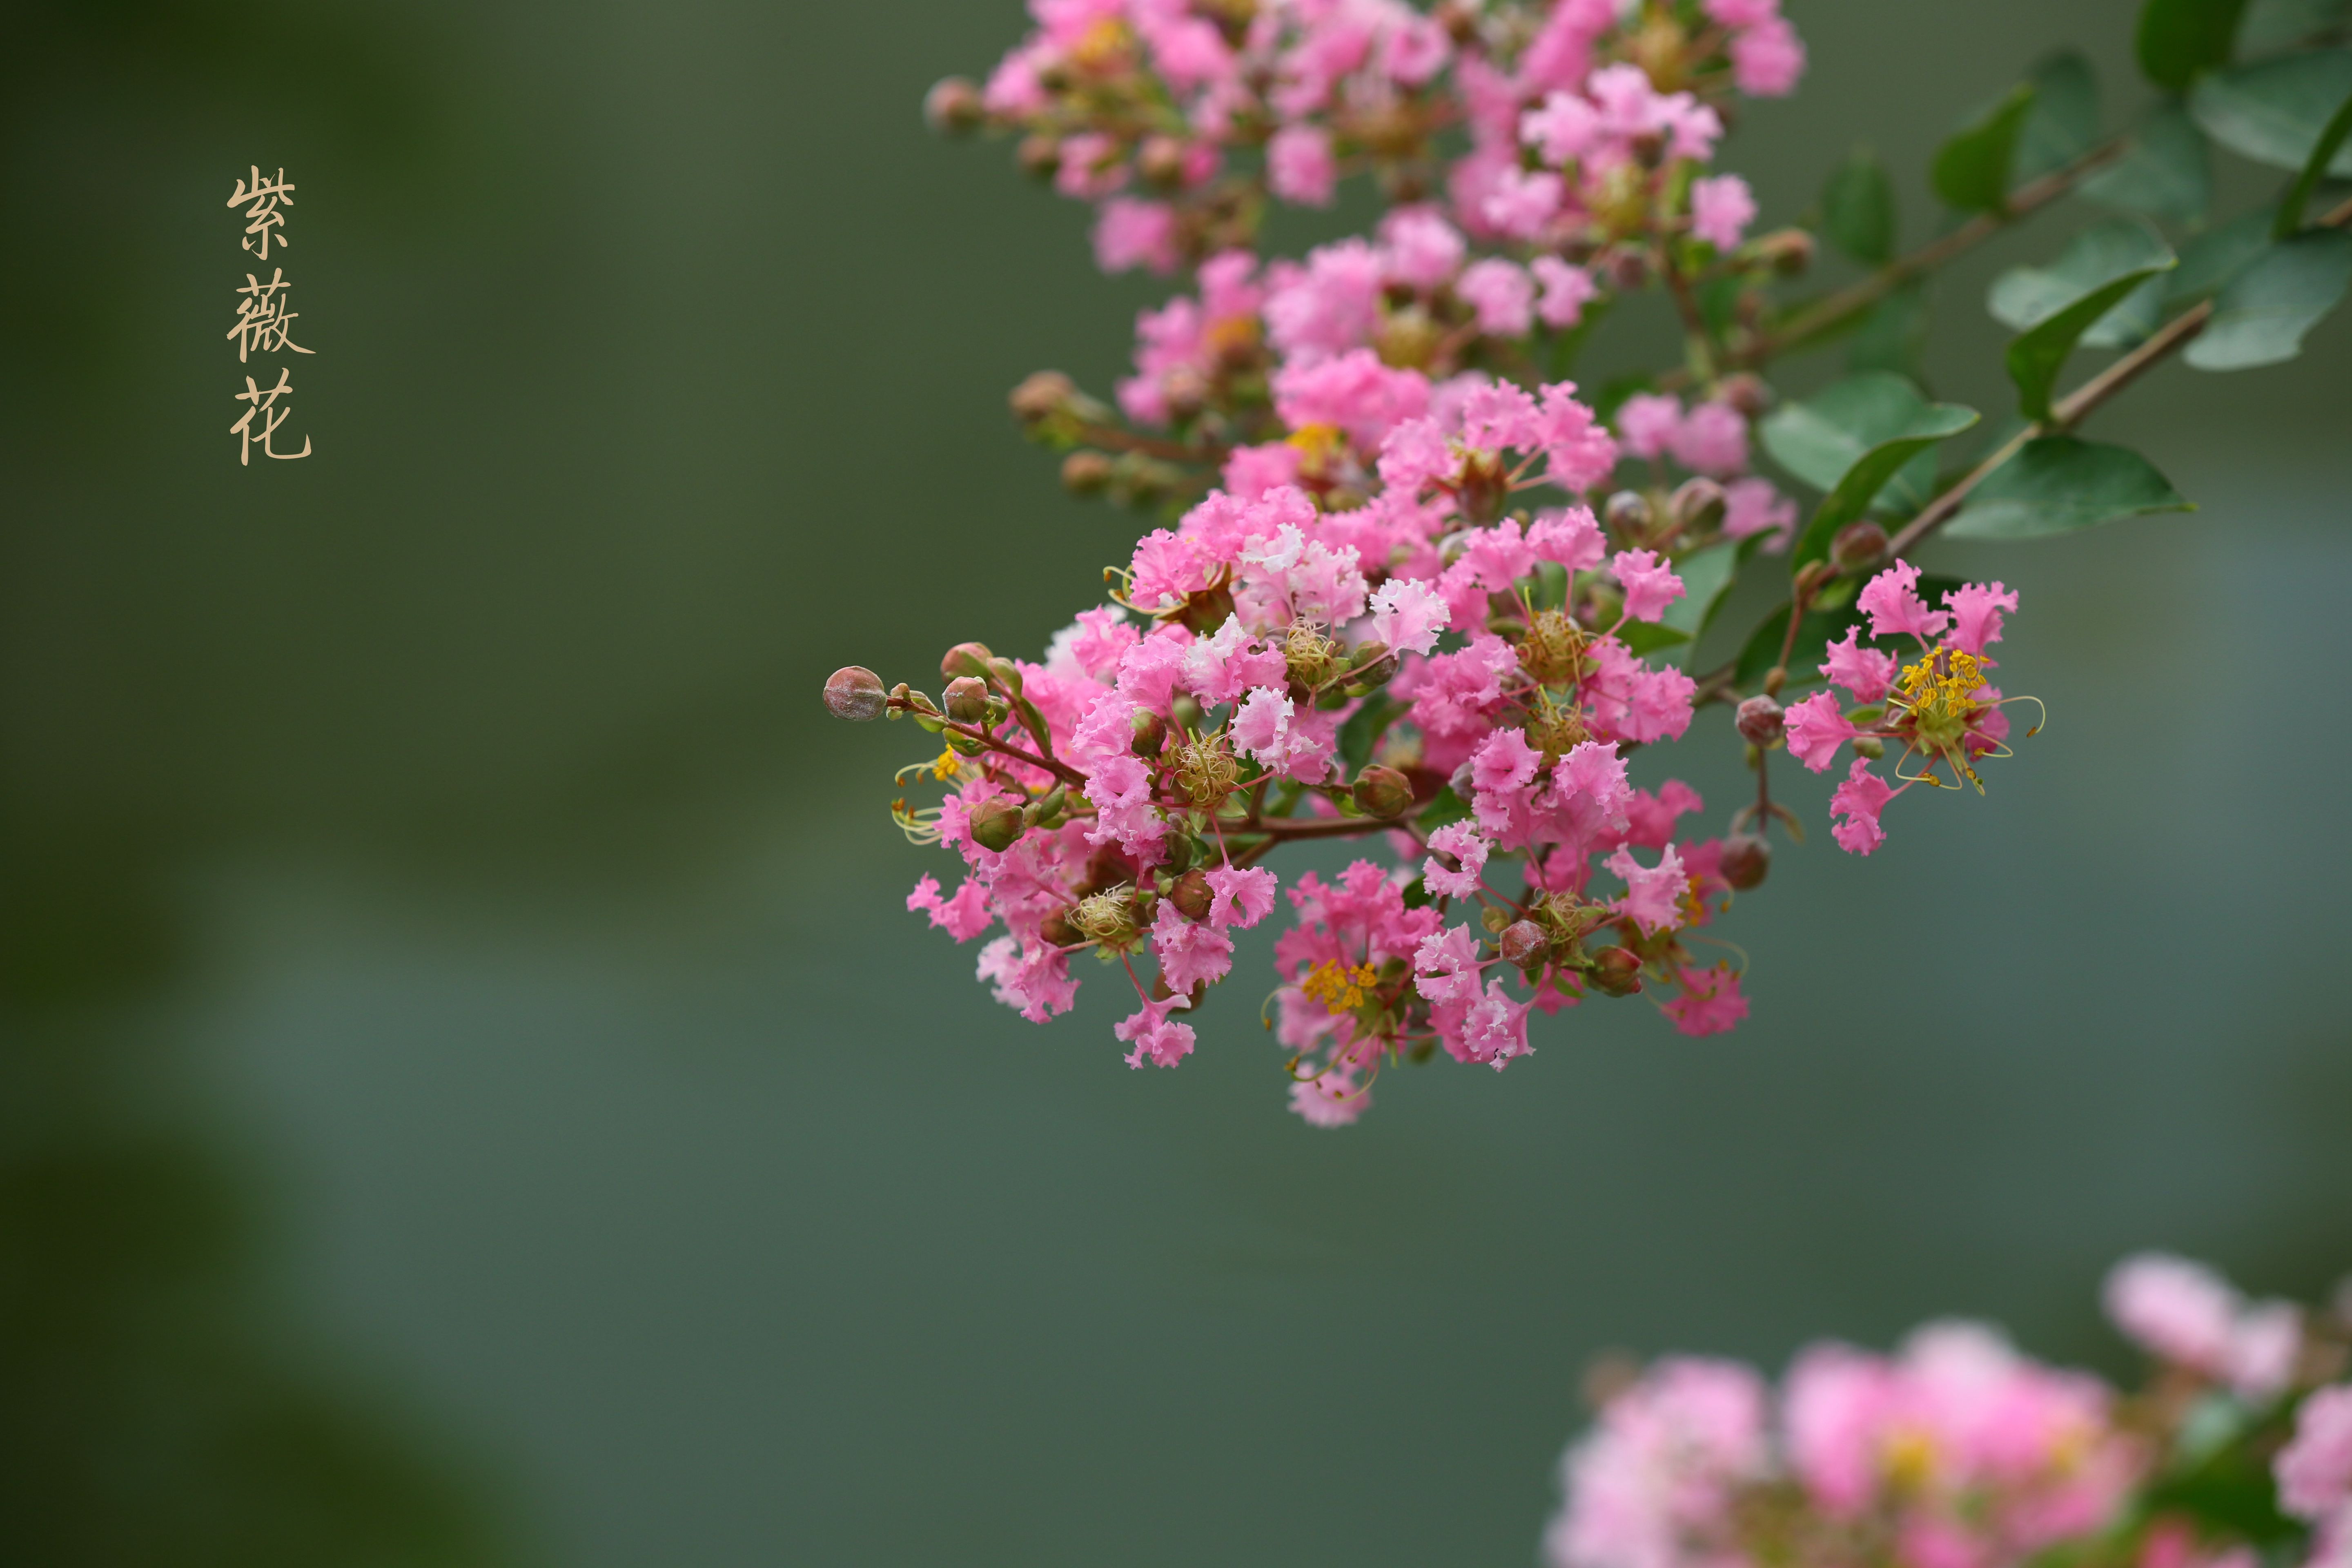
{"x": 469, "y": 1092}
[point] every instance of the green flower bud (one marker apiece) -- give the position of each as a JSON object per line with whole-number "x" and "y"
{"x": 855, "y": 692}
{"x": 1005, "y": 674}
{"x": 1147, "y": 732}
{"x": 967, "y": 699}
{"x": 965, "y": 658}
{"x": 1858, "y": 544}
{"x": 1627, "y": 513}
{"x": 1191, "y": 895}
{"x": 996, "y": 824}
{"x": 1696, "y": 506}
{"x": 1616, "y": 972}
{"x": 1381, "y": 792}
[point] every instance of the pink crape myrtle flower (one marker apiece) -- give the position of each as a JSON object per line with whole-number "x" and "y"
{"x": 1654, "y": 1484}
{"x": 1892, "y": 601}
{"x": 1857, "y": 803}
{"x": 2314, "y": 1470}
{"x": 1300, "y": 167}
{"x": 1721, "y": 210}
{"x": 2185, "y": 1313}
{"x": 1816, "y": 729}
{"x": 1156, "y": 1040}
{"x": 1650, "y": 584}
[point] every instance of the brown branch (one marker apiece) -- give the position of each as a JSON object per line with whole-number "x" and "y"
{"x": 1059, "y": 769}
{"x": 1111, "y": 435}
{"x": 2077, "y": 406}
{"x": 1851, "y": 301}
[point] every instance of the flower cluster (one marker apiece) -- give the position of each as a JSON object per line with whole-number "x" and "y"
{"x": 1958, "y": 1452}
{"x": 1181, "y": 117}
{"x": 1408, "y": 586}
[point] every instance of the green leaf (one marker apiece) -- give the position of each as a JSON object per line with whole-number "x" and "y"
{"x": 2167, "y": 171}
{"x": 2209, "y": 261}
{"x": 2274, "y": 113}
{"x": 1894, "y": 335}
{"x": 2061, "y": 483}
{"x": 1854, "y": 493}
{"x": 1971, "y": 170}
{"x": 2270, "y": 25}
{"x": 1819, "y": 439}
{"x": 2064, "y": 120}
{"x": 2058, "y": 303}
{"x": 2178, "y": 39}
{"x": 2261, "y": 316}
{"x": 1706, "y": 576}
{"x": 1643, "y": 637}
{"x": 1363, "y": 729}
{"x": 1858, "y": 209}
{"x": 2290, "y": 213}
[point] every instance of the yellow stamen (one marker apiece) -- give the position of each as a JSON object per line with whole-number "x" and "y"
{"x": 1340, "y": 989}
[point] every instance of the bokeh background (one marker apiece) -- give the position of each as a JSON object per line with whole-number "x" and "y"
{"x": 469, "y": 1092}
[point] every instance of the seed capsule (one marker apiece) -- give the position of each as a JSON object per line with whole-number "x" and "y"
{"x": 855, "y": 692}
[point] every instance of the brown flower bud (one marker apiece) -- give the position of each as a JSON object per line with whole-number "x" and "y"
{"x": 967, "y": 699}
{"x": 1523, "y": 941}
{"x": 1040, "y": 156}
{"x": 953, "y": 107}
{"x": 1148, "y": 731}
{"x": 1746, "y": 393}
{"x": 1858, "y": 544}
{"x": 1759, "y": 719}
{"x": 1381, "y": 792}
{"x": 996, "y": 824}
{"x": 1616, "y": 972}
{"x": 1788, "y": 250}
{"x": 1057, "y": 930}
{"x": 1041, "y": 395}
{"x": 1191, "y": 895}
{"x": 1627, "y": 513}
{"x": 855, "y": 692}
{"x": 966, "y": 659}
{"x": 1696, "y": 506}
{"x": 1085, "y": 473}
{"x": 1160, "y": 160}
{"x": 1627, "y": 270}
{"x": 1746, "y": 859}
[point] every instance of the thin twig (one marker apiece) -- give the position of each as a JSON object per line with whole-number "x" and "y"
{"x": 2025, "y": 200}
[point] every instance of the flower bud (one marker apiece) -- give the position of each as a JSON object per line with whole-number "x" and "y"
{"x": 1160, "y": 160}
{"x": 953, "y": 107}
{"x": 965, "y": 658}
{"x": 1057, "y": 929}
{"x": 1185, "y": 710}
{"x": 1045, "y": 811}
{"x": 1381, "y": 792}
{"x": 1039, "y": 156}
{"x": 1524, "y": 943}
{"x": 1789, "y": 251}
{"x": 1746, "y": 393}
{"x": 1147, "y": 732}
{"x": 1696, "y": 506}
{"x": 1746, "y": 859}
{"x": 1759, "y": 719}
{"x": 1005, "y": 673}
{"x": 1869, "y": 746}
{"x": 1627, "y": 270}
{"x": 967, "y": 699}
{"x": 996, "y": 823}
{"x": 1369, "y": 651}
{"x": 1191, "y": 896}
{"x": 1085, "y": 473}
{"x": 1858, "y": 544}
{"x": 855, "y": 692}
{"x": 1041, "y": 395}
{"x": 1627, "y": 513}
{"x": 1616, "y": 972}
